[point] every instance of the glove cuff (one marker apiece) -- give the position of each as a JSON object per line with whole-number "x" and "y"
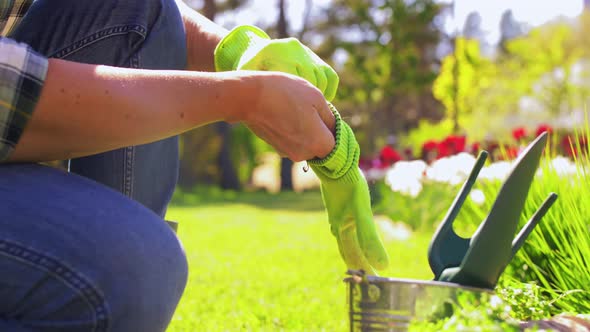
{"x": 342, "y": 163}
{"x": 231, "y": 48}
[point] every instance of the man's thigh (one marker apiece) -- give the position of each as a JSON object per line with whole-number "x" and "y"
{"x": 108, "y": 32}
{"x": 124, "y": 33}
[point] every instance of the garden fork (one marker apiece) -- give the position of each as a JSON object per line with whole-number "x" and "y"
{"x": 480, "y": 260}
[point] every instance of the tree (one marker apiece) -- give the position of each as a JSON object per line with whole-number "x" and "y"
{"x": 472, "y": 27}
{"x": 388, "y": 63}
{"x": 286, "y": 163}
{"x": 546, "y": 58}
{"x": 281, "y": 30}
{"x": 462, "y": 76}
{"x": 538, "y": 72}
{"x": 217, "y": 138}
{"x": 510, "y": 29}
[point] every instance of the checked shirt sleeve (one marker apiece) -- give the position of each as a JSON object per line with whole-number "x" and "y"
{"x": 22, "y": 74}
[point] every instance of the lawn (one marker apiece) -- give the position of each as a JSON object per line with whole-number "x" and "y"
{"x": 262, "y": 262}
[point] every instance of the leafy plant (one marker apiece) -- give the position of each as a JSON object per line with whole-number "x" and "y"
{"x": 557, "y": 254}
{"x": 422, "y": 212}
{"x": 526, "y": 301}
{"x": 486, "y": 313}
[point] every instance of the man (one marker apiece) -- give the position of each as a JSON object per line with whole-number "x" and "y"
{"x": 109, "y": 85}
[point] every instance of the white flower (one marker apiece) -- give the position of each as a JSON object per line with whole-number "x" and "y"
{"x": 563, "y": 166}
{"x": 496, "y": 171}
{"x": 374, "y": 174}
{"x": 405, "y": 177}
{"x": 392, "y": 231}
{"x": 477, "y": 196}
{"x": 452, "y": 170}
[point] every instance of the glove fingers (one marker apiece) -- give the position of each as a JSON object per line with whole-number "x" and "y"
{"x": 306, "y": 73}
{"x": 237, "y": 42}
{"x": 321, "y": 79}
{"x": 371, "y": 245}
{"x": 350, "y": 250}
{"x": 271, "y": 55}
{"x": 368, "y": 236}
{"x": 262, "y": 63}
{"x": 332, "y": 86}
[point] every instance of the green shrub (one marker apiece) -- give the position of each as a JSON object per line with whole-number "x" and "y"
{"x": 423, "y": 212}
{"x": 471, "y": 313}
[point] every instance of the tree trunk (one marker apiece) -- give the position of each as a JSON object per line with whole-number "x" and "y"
{"x": 210, "y": 9}
{"x": 228, "y": 177}
{"x": 286, "y": 164}
{"x": 456, "y": 77}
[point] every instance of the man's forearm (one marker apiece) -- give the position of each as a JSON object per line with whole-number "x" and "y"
{"x": 86, "y": 109}
{"x": 202, "y": 36}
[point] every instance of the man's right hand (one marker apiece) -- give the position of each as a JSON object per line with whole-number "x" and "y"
{"x": 290, "y": 114}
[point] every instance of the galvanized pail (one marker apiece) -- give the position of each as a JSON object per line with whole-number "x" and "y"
{"x": 389, "y": 304}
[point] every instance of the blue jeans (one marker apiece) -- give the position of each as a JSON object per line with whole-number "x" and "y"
{"x": 90, "y": 251}
{"x": 123, "y": 33}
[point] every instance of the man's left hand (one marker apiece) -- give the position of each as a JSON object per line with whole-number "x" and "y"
{"x": 249, "y": 48}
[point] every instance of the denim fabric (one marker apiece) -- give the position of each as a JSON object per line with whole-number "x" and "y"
{"x": 124, "y": 33}
{"x": 76, "y": 255}
{"x": 79, "y": 256}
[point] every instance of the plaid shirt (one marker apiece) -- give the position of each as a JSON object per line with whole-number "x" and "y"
{"x": 22, "y": 73}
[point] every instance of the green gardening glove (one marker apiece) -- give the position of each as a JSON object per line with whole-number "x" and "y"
{"x": 346, "y": 196}
{"x": 249, "y": 48}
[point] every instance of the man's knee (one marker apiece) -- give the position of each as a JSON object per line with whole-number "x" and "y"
{"x": 125, "y": 251}
{"x": 149, "y": 288}
{"x": 146, "y": 284}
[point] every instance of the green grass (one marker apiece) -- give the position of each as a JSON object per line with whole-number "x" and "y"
{"x": 263, "y": 262}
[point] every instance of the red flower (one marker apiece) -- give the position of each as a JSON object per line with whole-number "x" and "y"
{"x": 458, "y": 143}
{"x": 451, "y": 145}
{"x": 519, "y": 133}
{"x": 455, "y": 144}
{"x": 475, "y": 148}
{"x": 429, "y": 146}
{"x": 573, "y": 146}
{"x": 443, "y": 150}
{"x": 511, "y": 152}
{"x": 408, "y": 153}
{"x": 568, "y": 146}
{"x": 543, "y": 128}
{"x": 429, "y": 151}
{"x": 389, "y": 156}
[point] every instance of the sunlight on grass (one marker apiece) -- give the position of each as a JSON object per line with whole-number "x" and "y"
{"x": 266, "y": 268}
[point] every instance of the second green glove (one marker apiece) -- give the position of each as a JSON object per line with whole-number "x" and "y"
{"x": 346, "y": 197}
{"x": 249, "y": 48}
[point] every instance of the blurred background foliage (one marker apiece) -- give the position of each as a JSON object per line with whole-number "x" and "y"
{"x": 406, "y": 79}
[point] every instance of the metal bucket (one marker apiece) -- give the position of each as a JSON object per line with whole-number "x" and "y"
{"x": 389, "y": 304}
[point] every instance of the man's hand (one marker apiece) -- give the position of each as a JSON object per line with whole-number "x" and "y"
{"x": 249, "y": 48}
{"x": 291, "y": 115}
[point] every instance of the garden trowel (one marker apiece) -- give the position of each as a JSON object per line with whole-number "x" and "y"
{"x": 480, "y": 260}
